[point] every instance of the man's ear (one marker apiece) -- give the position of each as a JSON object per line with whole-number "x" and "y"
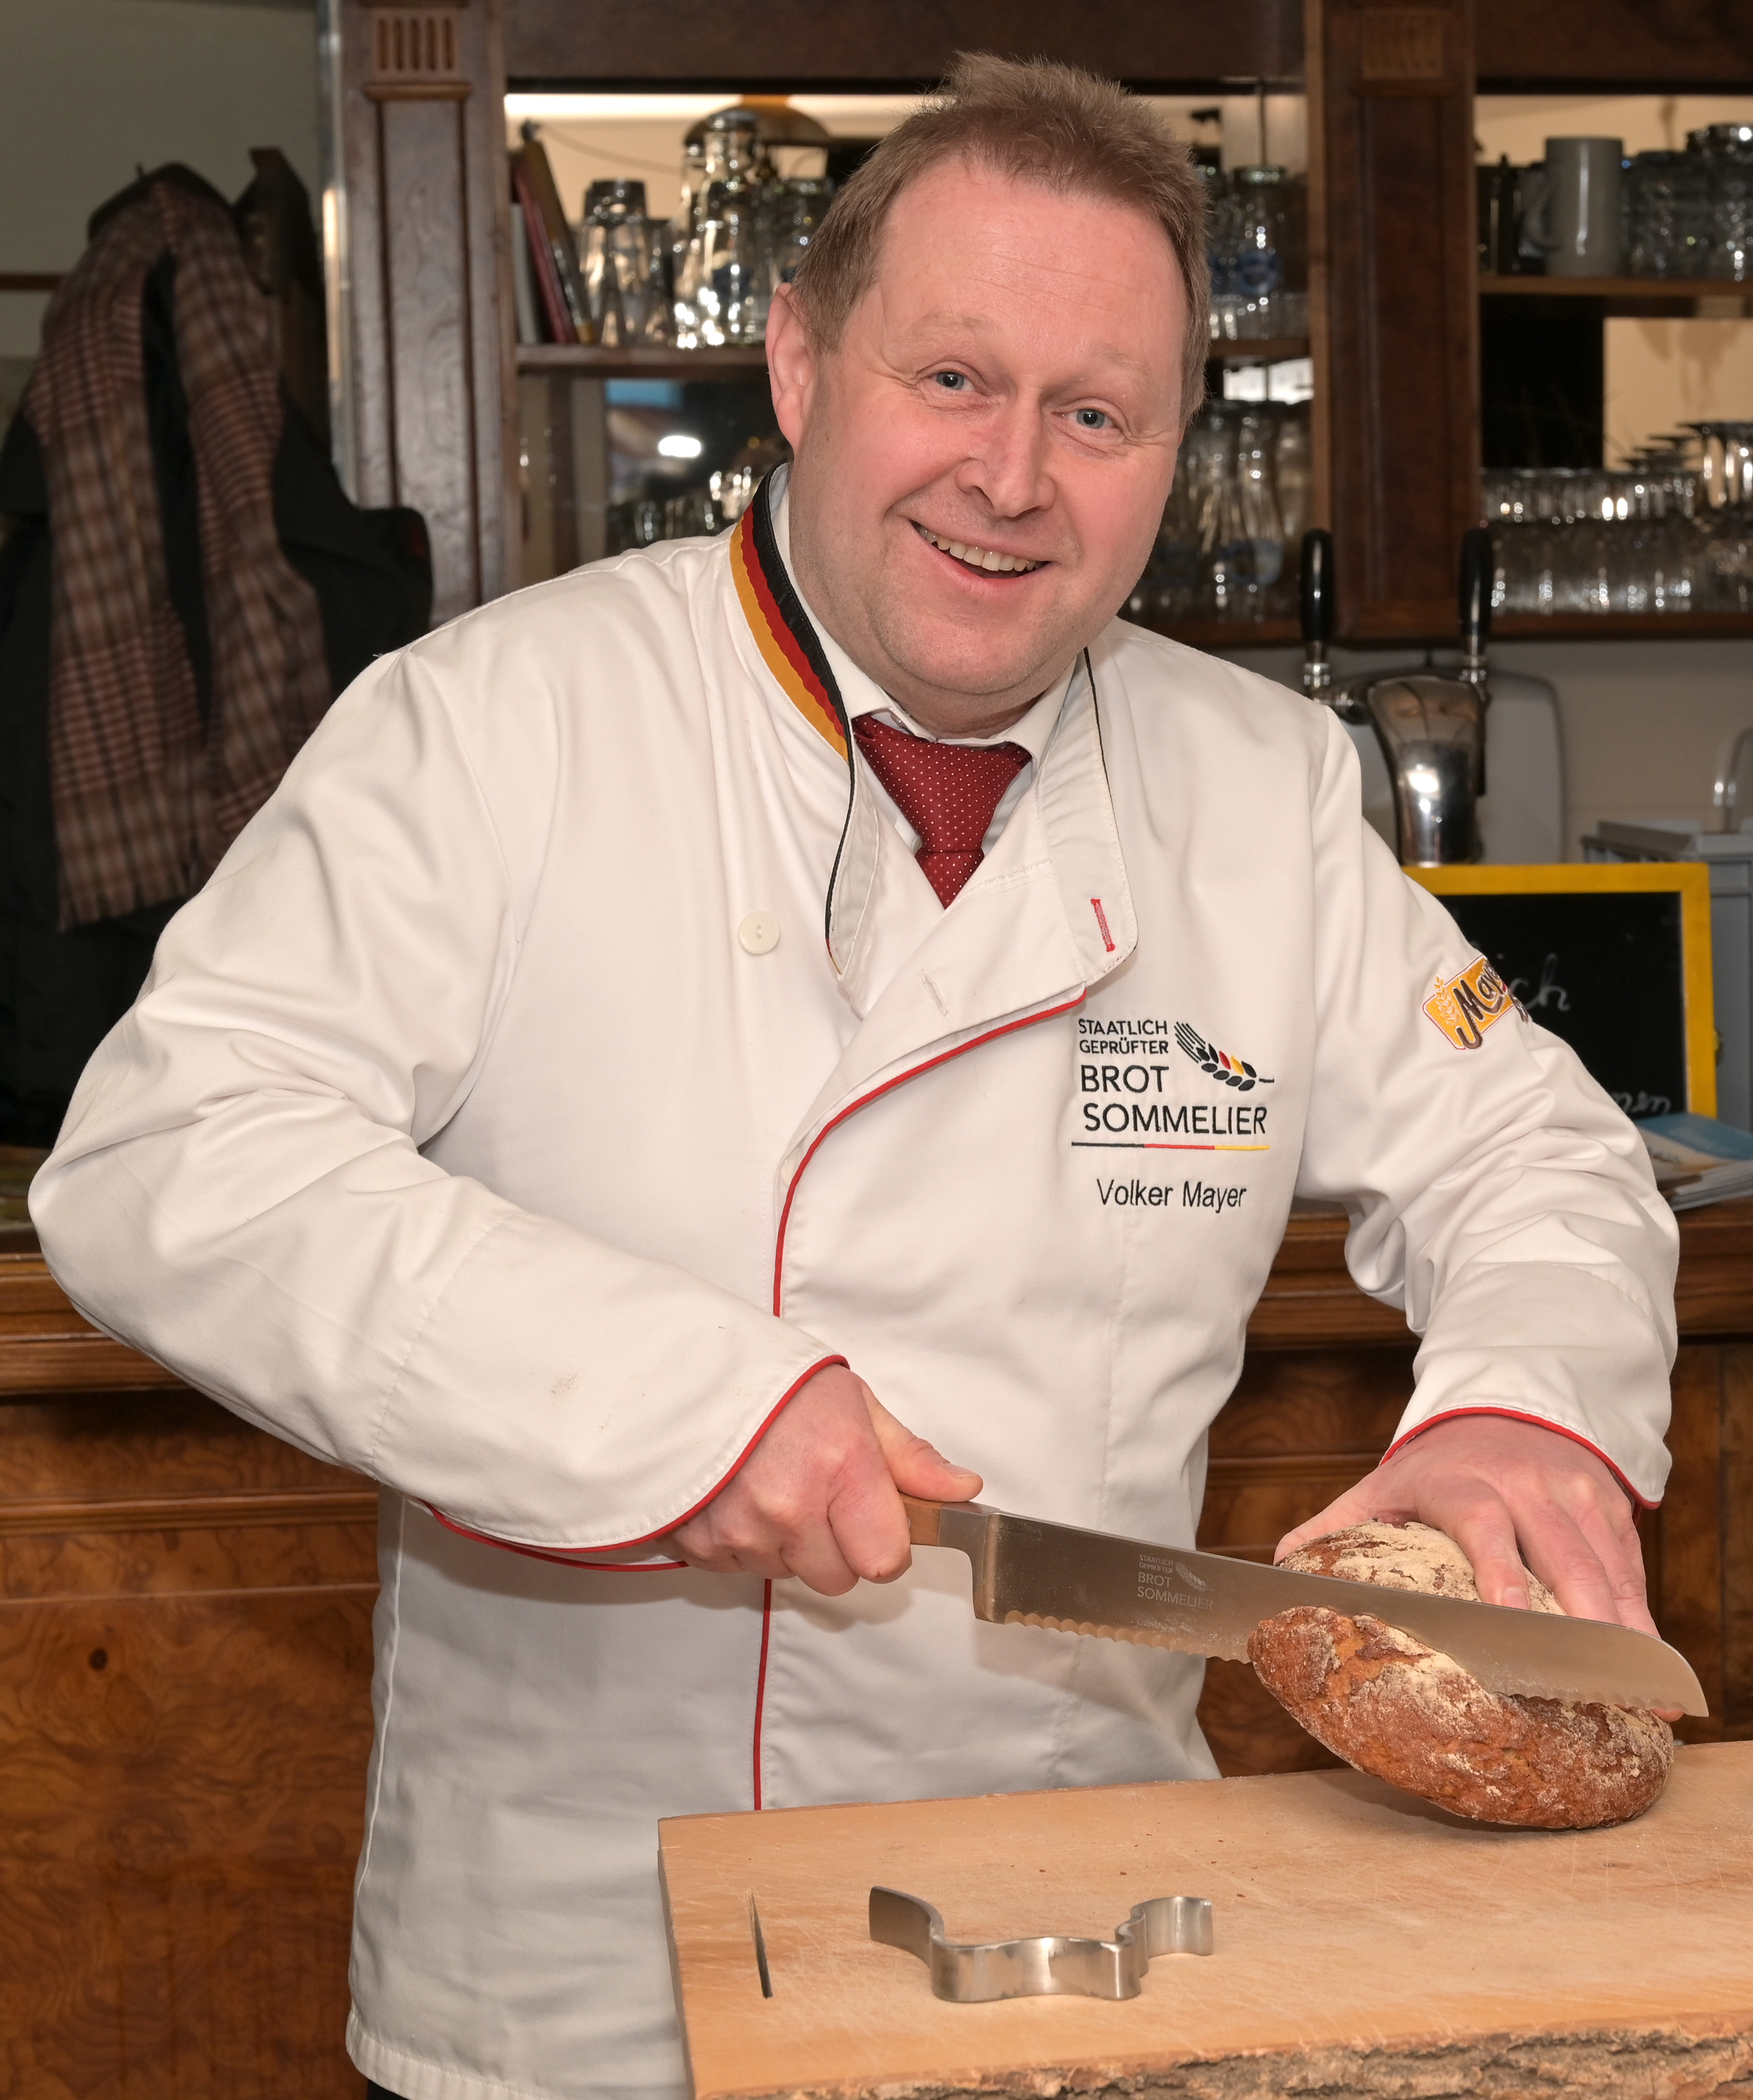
{"x": 791, "y": 365}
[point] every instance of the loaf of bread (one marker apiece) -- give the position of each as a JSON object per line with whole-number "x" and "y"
{"x": 1388, "y": 1704}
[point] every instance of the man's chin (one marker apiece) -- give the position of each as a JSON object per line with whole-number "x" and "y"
{"x": 947, "y": 658}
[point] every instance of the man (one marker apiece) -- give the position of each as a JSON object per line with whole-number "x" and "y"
{"x": 672, "y": 1018}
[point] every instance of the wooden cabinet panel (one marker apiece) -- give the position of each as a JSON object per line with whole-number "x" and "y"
{"x": 424, "y": 294}
{"x": 1639, "y": 46}
{"x": 180, "y": 1805}
{"x": 796, "y": 43}
{"x": 185, "y": 1716}
{"x": 1394, "y": 314}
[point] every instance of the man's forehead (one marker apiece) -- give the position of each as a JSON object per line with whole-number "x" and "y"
{"x": 997, "y": 231}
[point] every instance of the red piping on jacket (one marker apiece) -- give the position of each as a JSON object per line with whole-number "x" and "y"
{"x": 1539, "y": 1422}
{"x": 571, "y": 1556}
{"x": 876, "y": 1093}
{"x": 852, "y": 1107}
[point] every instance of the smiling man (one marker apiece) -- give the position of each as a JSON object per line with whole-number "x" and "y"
{"x": 686, "y": 1035}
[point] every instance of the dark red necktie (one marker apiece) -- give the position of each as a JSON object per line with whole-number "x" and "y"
{"x": 946, "y": 792}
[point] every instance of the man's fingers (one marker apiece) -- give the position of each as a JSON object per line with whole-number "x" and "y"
{"x": 915, "y": 1467}
{"x": 763, "y": 1543}
{"x": 1611, "y": 1531}
{"x": 1589, "y": 1569}
{"x": 1352, "y": 1507}
{"x": 1485, "y": 1531}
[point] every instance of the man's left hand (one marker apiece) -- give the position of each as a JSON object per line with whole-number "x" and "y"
{"x": 1512, "y": 1497}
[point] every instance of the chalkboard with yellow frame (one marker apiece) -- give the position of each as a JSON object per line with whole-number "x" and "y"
{"x": 1615, "y": 959}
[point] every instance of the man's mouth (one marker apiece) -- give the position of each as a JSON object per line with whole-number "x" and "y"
{"x": 986, "y": 559}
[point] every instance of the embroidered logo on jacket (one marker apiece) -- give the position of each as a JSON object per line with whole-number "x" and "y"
{"x": 1464, "y": 1007}
{"x": 1234, "y": 1071}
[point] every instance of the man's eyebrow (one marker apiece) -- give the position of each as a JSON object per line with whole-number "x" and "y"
{"x": 924, "y": 332}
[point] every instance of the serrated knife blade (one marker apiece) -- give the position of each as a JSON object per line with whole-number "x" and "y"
{"x": 1027, "y": 1573}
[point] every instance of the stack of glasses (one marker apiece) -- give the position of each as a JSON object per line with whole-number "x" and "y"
{"x": 741, "y": 231}
{"x": 714, "y": 507}
{"x": 1239, "y": 502}
{"x": 1256, "y": 245}
{"x": 1690, "y": 214}
{"x": 1672, "y": 532}
{"x": 707, "y": 276}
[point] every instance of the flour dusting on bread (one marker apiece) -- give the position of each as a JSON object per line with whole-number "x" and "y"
{"x": 1386, "y": 1702}
{"x": 1404, "y": 1556}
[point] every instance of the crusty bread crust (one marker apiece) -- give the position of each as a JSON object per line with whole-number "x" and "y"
{"x": 1388, "y": 1704}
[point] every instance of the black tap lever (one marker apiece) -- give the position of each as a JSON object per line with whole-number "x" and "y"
{"x": 1315, "y": 599}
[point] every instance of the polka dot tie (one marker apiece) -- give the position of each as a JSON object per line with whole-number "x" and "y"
{"x": 946, "y": 792}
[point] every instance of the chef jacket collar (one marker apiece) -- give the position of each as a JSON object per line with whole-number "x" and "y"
{"x": 1074, "y": 808}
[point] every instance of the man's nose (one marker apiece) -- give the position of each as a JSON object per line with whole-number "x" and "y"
{"x": 1007, "y": 466}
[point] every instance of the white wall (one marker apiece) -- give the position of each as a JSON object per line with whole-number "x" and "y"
{"x": 90, "y": 90}
{"x": 1645, "y": 724}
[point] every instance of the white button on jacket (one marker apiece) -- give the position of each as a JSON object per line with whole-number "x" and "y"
{"x": 759, "y": 932}
{"x": 452, "y": 1139}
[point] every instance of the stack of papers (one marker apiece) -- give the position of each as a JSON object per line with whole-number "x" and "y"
{"x": 1698, "y": 1160}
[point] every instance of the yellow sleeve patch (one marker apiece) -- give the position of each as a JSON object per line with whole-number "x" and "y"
{"x": 1464, "y": 1007}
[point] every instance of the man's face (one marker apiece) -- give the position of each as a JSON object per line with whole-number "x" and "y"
{"x": 1010, "y": 387}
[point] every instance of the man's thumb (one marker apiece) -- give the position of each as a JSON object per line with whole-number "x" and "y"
{"x": 914, "y": 1466}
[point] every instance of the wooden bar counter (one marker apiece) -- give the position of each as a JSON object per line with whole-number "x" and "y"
{"x": 185, "y": 1658}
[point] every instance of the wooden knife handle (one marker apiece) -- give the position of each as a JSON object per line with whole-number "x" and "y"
{"x": 922, "y": 1519}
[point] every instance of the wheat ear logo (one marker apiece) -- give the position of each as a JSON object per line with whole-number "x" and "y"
{"x": 1234, "y": 1071}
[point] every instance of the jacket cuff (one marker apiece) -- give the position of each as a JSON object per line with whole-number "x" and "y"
{"x": 591, "y": 1556}
{"x": 1538, "y": 1422}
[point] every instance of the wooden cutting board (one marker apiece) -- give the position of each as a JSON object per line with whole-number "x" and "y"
{"x": 1366, "y": 1943}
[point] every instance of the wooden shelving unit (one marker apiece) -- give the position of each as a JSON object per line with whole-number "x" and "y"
{"x": 1268, "y": 350}
{"x": 593, "y": 361}
{"x": 1622, "y": 627}
{"x": 1633, "y": 297}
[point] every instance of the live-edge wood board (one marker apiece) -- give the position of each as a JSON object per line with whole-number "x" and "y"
{"x": 1367, "y": 1944}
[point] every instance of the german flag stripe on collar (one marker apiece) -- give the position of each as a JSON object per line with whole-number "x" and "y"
{"x": 781, "y": 628}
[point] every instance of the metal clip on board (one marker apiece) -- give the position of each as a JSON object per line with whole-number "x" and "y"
{"x": 977, "y": 1973}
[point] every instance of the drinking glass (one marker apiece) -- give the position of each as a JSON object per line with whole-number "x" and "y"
{"x": 796, "y": 206}
{"x": 1170, "y": 587}
{"x": 1220, "y": 252}
{"x": 617, "y": 263}
{"x": 1257, "y": 265}
{"x": 721, "y": 291}
{"x": 1293, "y": 468}
{"x": 1670, "y": 214}
{"x": 1727, "y": 151}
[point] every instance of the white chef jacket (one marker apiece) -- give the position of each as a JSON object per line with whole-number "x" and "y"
{"x": 457, "y": 1136}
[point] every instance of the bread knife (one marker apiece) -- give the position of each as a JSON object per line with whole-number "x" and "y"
{"x": 1030, "y": 1573}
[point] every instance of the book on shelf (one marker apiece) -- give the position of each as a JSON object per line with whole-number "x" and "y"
{"x": 524, "y": 299}
{"x": 550, "y": 237}
{"x": 557, "y": 323}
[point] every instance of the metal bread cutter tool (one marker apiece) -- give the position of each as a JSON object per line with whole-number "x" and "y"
{"x": 1034, "y": 1574}
{"x": 975, "y": 1973}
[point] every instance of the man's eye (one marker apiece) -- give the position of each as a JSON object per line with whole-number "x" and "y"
{"x": 953, "y": 382}
{"x": 1092, "y": 419}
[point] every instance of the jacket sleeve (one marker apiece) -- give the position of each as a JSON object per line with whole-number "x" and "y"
{"x": 238, "y": 1189}
{"x": 1496, "y": 1194}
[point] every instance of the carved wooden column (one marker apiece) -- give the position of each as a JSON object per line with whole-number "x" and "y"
{"x": 418, "y": 240}
{"x": 1395, "y": 308}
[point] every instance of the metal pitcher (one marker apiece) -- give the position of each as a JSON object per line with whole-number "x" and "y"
{"x": 1431, "y": 726}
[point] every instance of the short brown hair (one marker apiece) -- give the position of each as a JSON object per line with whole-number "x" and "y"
{"x": 1038, "y": 121}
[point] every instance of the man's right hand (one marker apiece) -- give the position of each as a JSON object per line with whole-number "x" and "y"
{"x": 819, "y": 1496}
